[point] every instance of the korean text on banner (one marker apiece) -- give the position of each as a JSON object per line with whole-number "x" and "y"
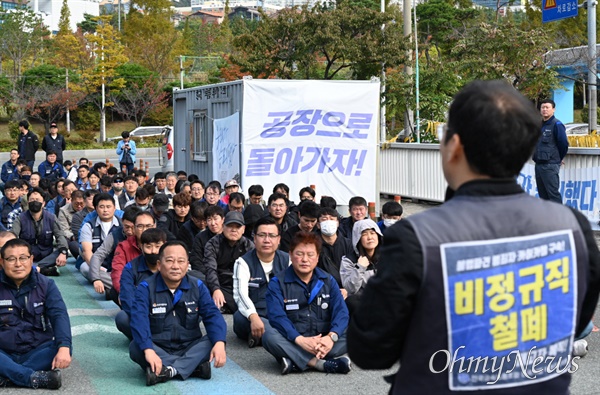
{"x": 226, "y": 148}
{"x": 511, "y": 307}
{"x": 311, "y": 132}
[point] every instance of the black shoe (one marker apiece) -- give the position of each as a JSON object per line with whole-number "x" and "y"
{"x": 49, "y": 379}
{"x": 286, "y": 366}
{"x": 202, "y": 371}
{"x": 4, "y": 382}
{"x": 338, "y": 365}
{"x": 50, "y": 271}
{"x": 152, "y": 378}
{"x": 253, "y": 341}
{"x": 225, "y": 310}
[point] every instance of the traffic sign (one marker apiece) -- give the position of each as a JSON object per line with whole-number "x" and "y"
{"x": 554, "y": 10}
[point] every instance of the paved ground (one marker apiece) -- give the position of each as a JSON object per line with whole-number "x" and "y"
{"x": 101, "y": 364}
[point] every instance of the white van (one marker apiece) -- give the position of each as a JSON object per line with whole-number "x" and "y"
{"x": 165, "y": 154}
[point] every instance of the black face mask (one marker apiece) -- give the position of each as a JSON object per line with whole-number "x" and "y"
{"x": 35, "y": 207}
{"x": 151, "y": 259}
{"x": 26, "y": 178}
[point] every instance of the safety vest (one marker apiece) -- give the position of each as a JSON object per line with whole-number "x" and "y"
{"x": 309, "y": 312}
{"x": 493, "y": 284}
{"x": 23, "y": 328}
{"x": 257, "y": 285}
{"x": 42, "y": 244}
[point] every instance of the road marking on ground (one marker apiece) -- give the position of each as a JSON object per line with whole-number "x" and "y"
{"x": 89, "y": 328}
{"x": 93, "y": 312}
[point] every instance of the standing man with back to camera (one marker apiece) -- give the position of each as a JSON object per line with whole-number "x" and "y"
{"x": 549, "y": 153}
{"x": 493, "y": 276}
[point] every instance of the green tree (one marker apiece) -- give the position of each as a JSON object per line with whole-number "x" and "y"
{"x": 22, "y": 36}
{"x": 150, "y": 37}
{"x": 42, "y": 94}
{"x": 108, "y": 54}
{"x": 89, "y": 23}
{"x": 504, "y": 51}
{"x": 322, "y": 43}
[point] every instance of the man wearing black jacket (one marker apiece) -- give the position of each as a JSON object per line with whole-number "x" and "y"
{"x": 54, "y": 141}
{"x": 493, "y": 276}
{"x": 28, "y": 143}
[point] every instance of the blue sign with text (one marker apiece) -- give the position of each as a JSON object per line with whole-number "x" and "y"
{"x": 554, "y": 10}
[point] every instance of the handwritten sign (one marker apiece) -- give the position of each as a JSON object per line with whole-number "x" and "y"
{"x": 226, "y": 148}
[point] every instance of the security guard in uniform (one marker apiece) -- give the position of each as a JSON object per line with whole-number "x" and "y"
{"x": 491, "y": 275}
{"x": 165, "y": 319}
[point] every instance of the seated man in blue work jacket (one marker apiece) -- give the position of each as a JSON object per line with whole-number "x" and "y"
{"x": 136, "y": 271}
{"x": 251, "y": 275}
{"x": 307, "y": 313}
{"x": 35, "y": 331}
{"x": 165, "y": 321}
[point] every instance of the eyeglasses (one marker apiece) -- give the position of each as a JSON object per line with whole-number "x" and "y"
{"x": 144, "y": 227}
{"x": 13, "y": 259}
{"x": 266, "y": 235}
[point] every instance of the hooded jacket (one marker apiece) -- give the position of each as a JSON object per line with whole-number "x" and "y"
{"x": 354, "y": 276}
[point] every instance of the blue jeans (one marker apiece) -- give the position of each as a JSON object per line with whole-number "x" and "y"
{"x": 547, "y": 180}
{"x": 19, "y": 367}
{"x": 185, "y": 361}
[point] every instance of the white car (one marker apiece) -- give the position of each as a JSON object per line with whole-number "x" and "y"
{"x": 144, "y": 132}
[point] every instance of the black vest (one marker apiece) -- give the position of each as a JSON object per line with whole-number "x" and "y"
{"x": 42, "y": 244}
{"x": 139, "y": 276}
{"x": 97, "y": 240}
{"x": 469, "y": 219}
{"x": 257, "y": 285}
{"x": 23, "y": 328}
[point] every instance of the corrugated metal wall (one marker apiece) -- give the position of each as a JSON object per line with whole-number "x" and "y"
{"x": 415, "y": 170}
{"x": 194, "y": 112}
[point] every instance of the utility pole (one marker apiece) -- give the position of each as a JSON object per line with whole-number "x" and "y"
{"x": 592, "y": 56}
{"x": 181, "y": 71}
{"x": 68, "y": 115}
{"x": 382, "y": 124}
{"x": 406, "y": 16}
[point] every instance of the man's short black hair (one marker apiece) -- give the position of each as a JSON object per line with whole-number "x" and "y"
{"x": 99, "y": 165}
{"x": 160, "y": 176}
{"x": 125, "y": 134}
{"x": 140, "y": 173}
{"x": 12, "y": 243}
{"x": 214, "y": 210}
{"x": 256, "y": 190}
{"x": 197, "y": 209}
{"x": 282, "y": 186}
{"x": 106, "y": 181}
{"x": 11, "y": 184}
{"x": 131, "y": 213}
{"x": 268, "y": 220}
{"x": 91, "y": 192}
{"x": 83, "y": 167}
{"x": 237, "y": 197}
{"x": 142, "y": 194}
{"x": 215, "y": 185}
{"x": 328, "y": 201}
{"x": 192, "y": 177}
{"x": 550, "y": 101}
{"x": 498, "y": 127}
{"x": 101, "y": 197}
{"x": 357, "y": 201}
{"x": 141, "y": 213}
{"x": 24, "y": 123}
{"x": 36, "y": 190}
{"x": 277, "y": 196}
{"x": 329, "y": 211}
{"x": 197, "y": 181}
{"x": 309, "y": 209}
{"x": 309, "y": 190}
{"x": 153, "y": 235}
{"x": 181, "y": 173}
{"x": 50, "y": 152}
{"x": 112, "y": 171}
{"x": 392, "y": 208}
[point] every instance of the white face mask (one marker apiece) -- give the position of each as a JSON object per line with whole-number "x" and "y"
{"x": 328, "y": 228}
{"x": 389, "y": 222}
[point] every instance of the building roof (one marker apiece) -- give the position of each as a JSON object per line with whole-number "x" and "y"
{"x": 574, "y": 56}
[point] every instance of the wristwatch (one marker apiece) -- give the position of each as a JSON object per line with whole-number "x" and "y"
{"x": 333, "y": 336}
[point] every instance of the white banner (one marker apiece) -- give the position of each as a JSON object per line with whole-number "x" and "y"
{"x": 311, "y": 132}
{"x": 226, "y": 148}
{"x": 578, "y": 188}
